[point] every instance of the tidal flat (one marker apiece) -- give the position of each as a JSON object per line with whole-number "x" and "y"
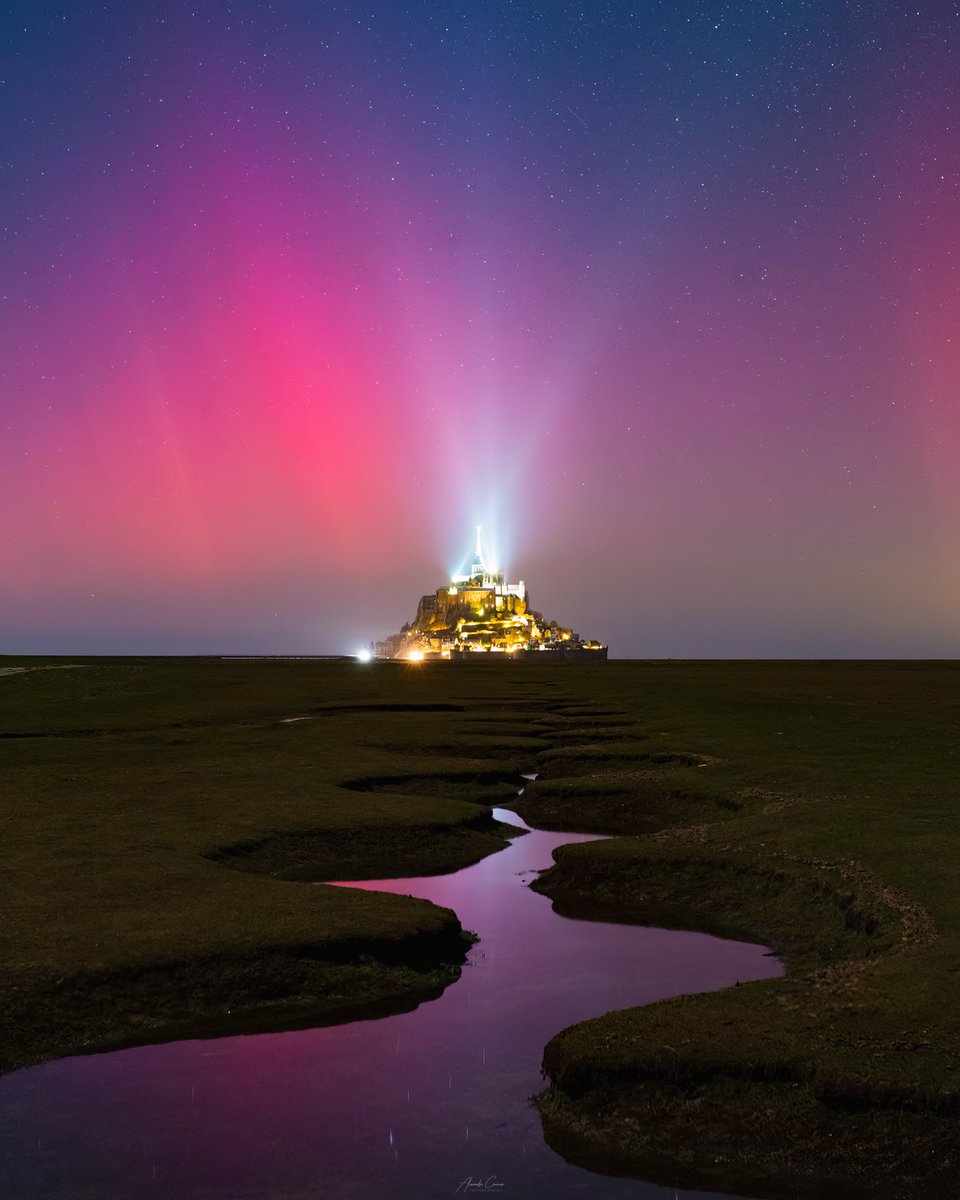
{"x": 161, "y": 817}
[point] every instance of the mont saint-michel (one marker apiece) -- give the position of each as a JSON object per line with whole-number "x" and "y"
{"x": 480, "y": 613}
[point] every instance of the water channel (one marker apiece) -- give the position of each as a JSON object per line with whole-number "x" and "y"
{"x": 429, "y": 1103}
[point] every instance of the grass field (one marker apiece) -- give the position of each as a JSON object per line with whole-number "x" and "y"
{"x": 155, "y": 812}
{"x": 160, "y": 817}
{"x": 814, "y": 807}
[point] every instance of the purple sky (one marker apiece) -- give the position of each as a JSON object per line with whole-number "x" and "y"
{"x": 663, "y": 294}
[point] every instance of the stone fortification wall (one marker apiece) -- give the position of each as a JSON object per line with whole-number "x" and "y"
{"x": 426, "y": 611}
{"x": 541, "y": 657}
{"x": 440, "y": 610}
{"x": 447, "y": 609}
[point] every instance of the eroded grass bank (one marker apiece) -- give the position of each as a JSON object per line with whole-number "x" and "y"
{"x": 814, "y": 807}
{"x": 156, "y": 813}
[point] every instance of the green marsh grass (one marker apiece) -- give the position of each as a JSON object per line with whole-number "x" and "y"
{"x": 812, "y": 806}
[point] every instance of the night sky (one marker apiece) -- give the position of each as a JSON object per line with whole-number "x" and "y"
{"x": 665, "y": 295}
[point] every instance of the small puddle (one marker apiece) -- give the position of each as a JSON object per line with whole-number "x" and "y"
{"x": 430, "y": 1103}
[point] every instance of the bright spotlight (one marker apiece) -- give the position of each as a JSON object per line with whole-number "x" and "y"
{"x": 364, "y": 656}
{"x": 415, "y": 656}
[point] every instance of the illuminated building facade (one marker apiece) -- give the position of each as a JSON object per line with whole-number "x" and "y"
{"x": 479, "y": 613}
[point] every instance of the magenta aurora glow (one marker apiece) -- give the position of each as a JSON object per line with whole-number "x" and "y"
{"x": 663, "y": 295}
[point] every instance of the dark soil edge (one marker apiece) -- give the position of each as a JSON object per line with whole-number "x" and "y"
{"x": 772, "y": 1129}
{"x": 272, "y": 988}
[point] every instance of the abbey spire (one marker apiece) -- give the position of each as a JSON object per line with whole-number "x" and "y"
{"x": 478, "y": 567}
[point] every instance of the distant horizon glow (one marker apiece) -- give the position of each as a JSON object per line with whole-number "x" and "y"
{"x": 665, "y": 298}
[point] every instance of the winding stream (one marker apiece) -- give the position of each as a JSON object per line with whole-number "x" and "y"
{"x": 430, "y": 1103}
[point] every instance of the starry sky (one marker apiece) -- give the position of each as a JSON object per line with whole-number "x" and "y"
{"x": 296, "y": 293}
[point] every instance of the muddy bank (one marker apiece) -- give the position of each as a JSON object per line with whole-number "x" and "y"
{"x": 769, "y": 1141}
{"x": 368, "y": 853}
{"x": 636, "y": 803}
{"x": 276, "y": 987}
{"x": 805, "y": 1086}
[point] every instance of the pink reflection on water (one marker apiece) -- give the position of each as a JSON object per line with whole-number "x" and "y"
{"x": 557, "y": 970}
{"x": 404, "y": 1106}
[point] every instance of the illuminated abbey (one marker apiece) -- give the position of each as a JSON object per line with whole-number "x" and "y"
{"x": 478, "y": 613}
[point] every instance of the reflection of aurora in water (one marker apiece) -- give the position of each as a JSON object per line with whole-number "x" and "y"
{"x": 406, "y": 1106}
